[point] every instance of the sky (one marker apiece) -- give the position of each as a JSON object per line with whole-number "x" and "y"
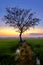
{"x": 35, "y": 5}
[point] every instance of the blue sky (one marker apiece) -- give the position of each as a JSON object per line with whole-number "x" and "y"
{"x": 35, "y": 5}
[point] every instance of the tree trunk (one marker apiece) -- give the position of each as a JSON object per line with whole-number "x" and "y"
{"x": 20, "y": 37}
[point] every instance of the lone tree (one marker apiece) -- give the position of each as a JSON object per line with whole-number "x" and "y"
{"x": 22, "y": 19}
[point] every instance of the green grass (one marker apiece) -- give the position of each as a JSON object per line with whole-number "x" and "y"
{"x": 37, "y": 44}
{"x": 8, "y": 45}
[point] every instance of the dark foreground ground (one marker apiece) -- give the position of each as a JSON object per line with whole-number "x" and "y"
{"x": 9, "y": 45}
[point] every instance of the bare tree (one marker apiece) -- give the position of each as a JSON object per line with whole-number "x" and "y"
{"x": 22, "y": 19}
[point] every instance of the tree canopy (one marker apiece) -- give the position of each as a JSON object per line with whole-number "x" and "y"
{"x": 22, "y": 19}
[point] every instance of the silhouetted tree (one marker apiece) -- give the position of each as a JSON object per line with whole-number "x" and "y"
{"x": 22, "y": 19}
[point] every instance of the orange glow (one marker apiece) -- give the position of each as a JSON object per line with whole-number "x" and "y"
{"x": 12, "y": 32}
{"x": 8, "y": 32}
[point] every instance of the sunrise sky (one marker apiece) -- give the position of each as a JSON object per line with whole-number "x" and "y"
{"x": 35, "y": 5}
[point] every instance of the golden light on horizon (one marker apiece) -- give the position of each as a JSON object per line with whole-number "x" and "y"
{"x": 12, "y": 32}
{"x": 8, "y": 32}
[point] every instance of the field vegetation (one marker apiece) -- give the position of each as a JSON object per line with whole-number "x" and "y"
{"x": 8, "y": 47}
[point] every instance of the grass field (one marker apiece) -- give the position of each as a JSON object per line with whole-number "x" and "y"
{"x": 8, "y": 45}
